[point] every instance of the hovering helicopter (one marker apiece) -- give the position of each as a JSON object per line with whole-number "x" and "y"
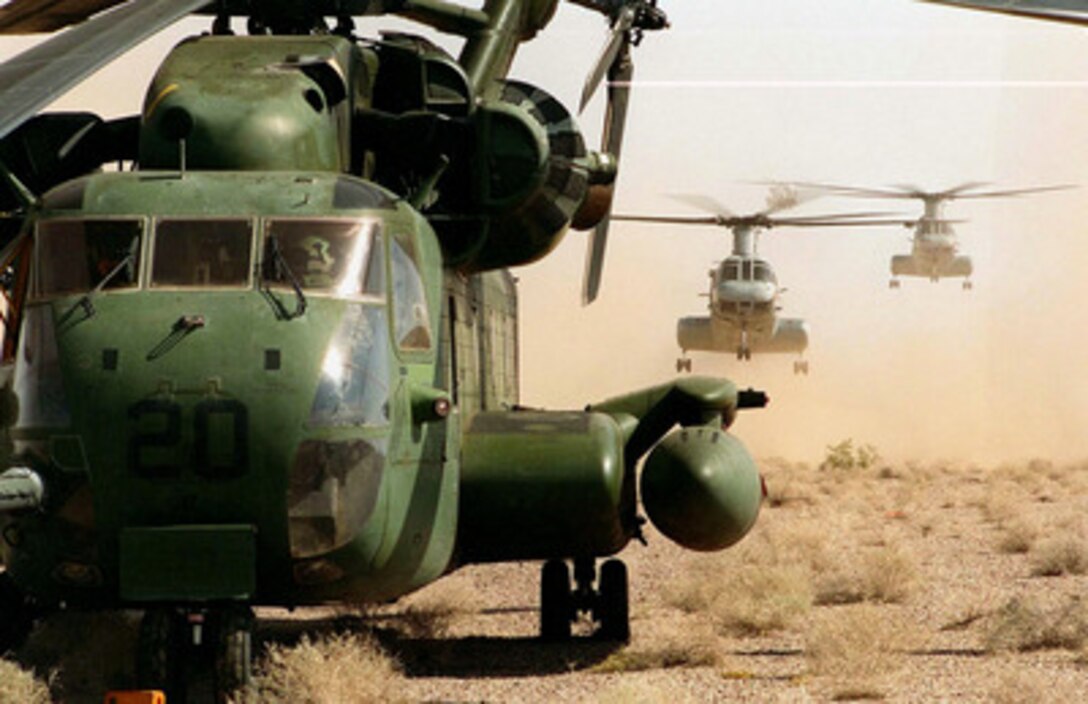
{"x": 274, "y": 360}
{"x": 934, "y": 251}
{"x": 744, "y": 291}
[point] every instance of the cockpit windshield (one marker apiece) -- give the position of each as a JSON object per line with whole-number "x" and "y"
{"x": 746, "y": 270}
{"x": 201, "y": 252}
{"x": 77, "y": 256}
{"x": 342, "y": 257}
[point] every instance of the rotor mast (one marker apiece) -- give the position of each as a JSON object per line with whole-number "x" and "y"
{"x": 745, "y": 239}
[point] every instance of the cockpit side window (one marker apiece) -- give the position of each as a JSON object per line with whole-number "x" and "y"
{"x": 341, "y": 257}
{"x": 77, "y": 256}
{"x": 411, "y": 323}
{"x": 202, "y": 252}
{"x": 730, "y": 271}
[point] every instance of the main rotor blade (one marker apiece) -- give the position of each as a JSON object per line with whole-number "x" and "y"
{"x": 823, "y": 222}
{"x": 1069, "y": 11}
{"x": 704, "y": 203}
{"x": 39, "y": 75}
{"x": 956, "y": 191}
{"x": 675, "y": 219}
{"x": 1015, "y": 192}
{"x": 615, "y": 120}
{"x": 617, "y": 39}
{"x": 864, "y": 192}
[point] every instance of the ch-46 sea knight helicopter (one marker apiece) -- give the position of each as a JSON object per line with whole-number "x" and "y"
{"x": 274, "y": 362}
{"x": 744, "y": 292}
{"x": 934, "y": 245}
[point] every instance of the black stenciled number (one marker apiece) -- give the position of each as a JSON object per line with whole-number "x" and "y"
{"x": 168, "y": 437}
{"x": 210, "y": 459}
{"x": 238, "y": 461}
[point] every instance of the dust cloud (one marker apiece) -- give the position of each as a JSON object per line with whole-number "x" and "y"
{"x": 928, "y": 371}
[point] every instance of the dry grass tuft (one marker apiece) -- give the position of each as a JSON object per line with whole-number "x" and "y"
{"x": 1018, "y": 536}
{"x": 338, "y": 669}
{"x": 19, "y": 685}
{"x": 887, "y": 576}
{"x": 1063, "y": 554}
{"x": 1021, "y": 626}
{"x": 857, "y": 650}
{"x": 746, "y": 599}
{"x": 673, "y": 647}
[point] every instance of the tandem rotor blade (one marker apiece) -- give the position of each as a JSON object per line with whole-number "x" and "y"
{"x": 618, "y": 39}
{"x": 39, "y": 75}
{"x": 619, "y": 94}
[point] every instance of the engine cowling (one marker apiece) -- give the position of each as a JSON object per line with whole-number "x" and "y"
{"x": 701, "y": 488}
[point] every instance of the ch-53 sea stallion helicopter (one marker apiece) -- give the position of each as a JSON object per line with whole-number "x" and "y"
{"x": 274, "y": 363}
{"x": 934, "y": 244}
{"x": 743, "y": 301}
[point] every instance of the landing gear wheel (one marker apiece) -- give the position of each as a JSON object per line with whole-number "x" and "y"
{"x": 894, "y": 283}
{"x": 16, "y": 615}
{"x": 233, "y": 642}
{"x": 683, "y": 365}
{"x": 556, "y": 605}
{"x": 613, "y": 610}
{"x": 967, "y": 285}
{"x": 160, "y": 653}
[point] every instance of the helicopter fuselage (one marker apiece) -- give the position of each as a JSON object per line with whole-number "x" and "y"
{"x": 743, "y": 307}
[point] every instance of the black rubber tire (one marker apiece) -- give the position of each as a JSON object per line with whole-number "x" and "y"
{"x": 613, "y": 606}
{"x": 160, "y": 653}
{"x": 233, "y": 651}
{"x": 17, "y": 615}
{"x": 556, "y": 605}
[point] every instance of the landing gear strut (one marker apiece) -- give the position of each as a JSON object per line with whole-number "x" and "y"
{"x": 173, "y": 640}
{"x": 608, "y": 604}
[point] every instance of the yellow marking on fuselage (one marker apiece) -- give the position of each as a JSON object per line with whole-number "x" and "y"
{"x": 158, "y": 99}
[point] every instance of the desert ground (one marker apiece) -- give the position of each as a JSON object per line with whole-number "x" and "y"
{"x": 862, "y": 580}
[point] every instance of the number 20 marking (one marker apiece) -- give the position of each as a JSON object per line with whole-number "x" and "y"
{"x": 170, "y": 437}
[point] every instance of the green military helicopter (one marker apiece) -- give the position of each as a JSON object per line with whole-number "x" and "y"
{"x": 273, "y": 360}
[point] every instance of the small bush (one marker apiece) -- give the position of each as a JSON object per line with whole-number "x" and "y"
{"x": 856, "y": 650}
{"x": 885, "y": 576}
{"x": 1017, "y": 537}
{"x": 1067, "y": 554}
{"x": 844, "y": 456}
{"x": 339, "y": 669}
{"x": 19, "y": 685}
{"x": 749, "y": 599}
{"x": 1021, "y": 626}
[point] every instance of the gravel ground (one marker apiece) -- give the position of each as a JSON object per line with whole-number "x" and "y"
{"x": 895, "y": 583}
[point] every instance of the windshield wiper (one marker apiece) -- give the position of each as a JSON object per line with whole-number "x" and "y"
{"x": 85, "y": 300}
{"x": 281, "y": 265}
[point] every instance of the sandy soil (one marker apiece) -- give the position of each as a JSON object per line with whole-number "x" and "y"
{"x": 907, "y": 583}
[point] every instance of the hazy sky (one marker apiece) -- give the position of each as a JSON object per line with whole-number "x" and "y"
{"x": 870, "y": 92}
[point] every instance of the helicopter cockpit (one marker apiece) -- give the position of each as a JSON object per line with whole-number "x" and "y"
{"x": 735, "y": 269}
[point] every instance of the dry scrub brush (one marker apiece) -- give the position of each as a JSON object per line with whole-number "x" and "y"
{"x": 1020, "y": 625}
{"x": 1059, "y": 555}
{"x": 336, "y": 669}
{"x": 666, "y": 646}
{"x": 19, "y": 685}
{"x": 885, "y": 575}
{"x": 856, "y": 650}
